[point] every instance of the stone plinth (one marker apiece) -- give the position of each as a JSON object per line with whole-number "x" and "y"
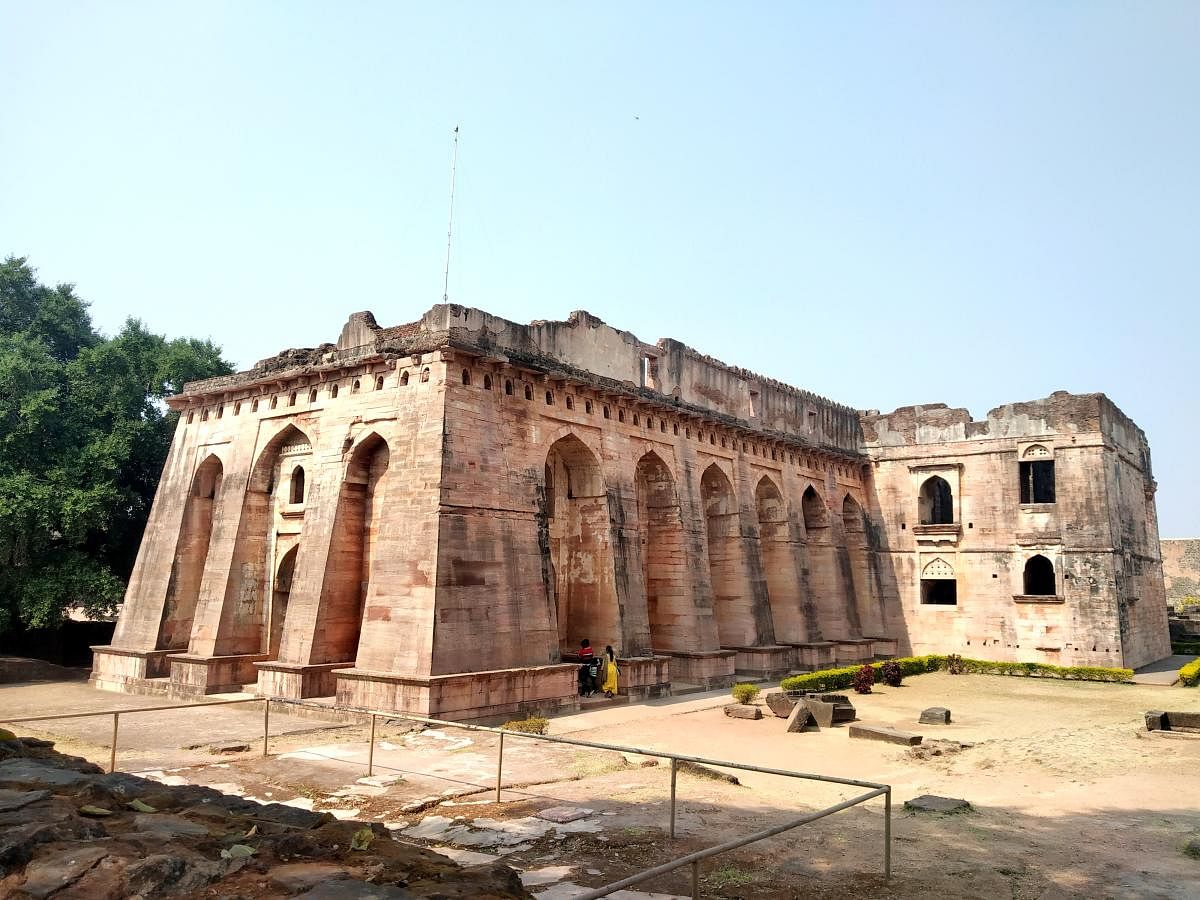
{"x": 773, "y": 661}
{"x": 471, "y": 695}
{"x": 297, "y": 682}
{"x": 712, "y": 669}
{"x": 195, "y": 676}
{"x": 815, "y": 655}
{"x": 884, "y": 647}
{"x": 854, "y": 651}
{"x": 644, "y": 676}
{"x": 128, "y": 671}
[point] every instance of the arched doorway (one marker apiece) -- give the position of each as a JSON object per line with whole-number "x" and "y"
{"x": 191, "y": 553}
{"x": 779, "y": 563}
{"x": 825, "y": 571}
{"x": 935, "y": 505}
{"x": 281, "y": 589}
{"x": 726, "y": 566}
{"x": 1039, "y": 578}
{"x": 581, "y": 558}
{"x": 348, "y": 572}
{"x": 663, "y": 556}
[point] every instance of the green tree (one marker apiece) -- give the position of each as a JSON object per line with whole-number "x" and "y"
{"x": 84, "y": 435}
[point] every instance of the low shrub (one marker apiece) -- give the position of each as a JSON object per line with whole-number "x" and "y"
{"x": 744, "y": 693}
{"x": 1186, "y": 648}
{"x": 843, "y": 677}
{"x": 864, "y": 679}
{"x": 1189, "y": 675}
{"x": 528, "y": 725}
{"x": 889, "y": 673}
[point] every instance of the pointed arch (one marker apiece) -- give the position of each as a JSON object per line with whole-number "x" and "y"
{"x": 935, "y": 503}
{"x": 780, "y": 573}
{"x": 816, "y": 514}
{"x": 669, "y": 606}
{"x": 281, "y": 590}
{"x": 261, "y": 476}
{"x": 1039, "y": 580}
{"x": 191, "y": 554}
{"x": 726, "y": 560}
{"x": 581, "y": 556}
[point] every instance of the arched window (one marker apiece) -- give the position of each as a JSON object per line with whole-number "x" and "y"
{"x": 275, "y": 401}
{"x": 620, "y": 415}
{"x": 1039, "y": 577}
{"x": 379, "y": 382}
{"x": 549, "y": 398}
{"x": 935, "y": 505}
{"x": 635, "y": 419}
{"x": 607, "y": 413}
{"x": 487, "y": 382}
{"x": 237, "y": 408}
{"x": 587, "y": 407}
{"x": 570, "y": 402}
{"x": 254, "y": 405}
{"x": 466, "y": 377}
{"x": 662, "y": 425}
{"x": 355, "y": 386}
{"x": 297, "y": 491}
{"x": 221, "y": 411}
{"x": 424, "y": 375}
{"x": 312, "y": 396}
{"x": 204, "y": 415}
{"x": 528, "y": 392}
{"x": 292, "y": 399}
{"x": 404, "y": 378}
{"x": 191, "y": 415}
{"x": 508, "y": 388}
{"x": 675, "y": 428}
{"x": 333, "y": 391}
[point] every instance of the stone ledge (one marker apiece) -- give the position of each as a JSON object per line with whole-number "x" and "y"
{"x": 1038, "y": 598}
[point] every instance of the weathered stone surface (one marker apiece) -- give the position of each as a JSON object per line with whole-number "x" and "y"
{"x": 883, "y": 733}
{"x": 742, "y": 711}
{"x": 935, "y": 715}
{"x": 164, "y": 873}
{"x": 563, "y": 814}
{"x": 25, "y": 773}
{"x": 801, "y": 719}
{"x": 933, "y": 803}
{"x": 822, "y": 713}
{"x": 303, "y": 876}
{"x": 10, "y": 800}
{"x": 46, "y": 876}
{"x": 1155, "y": 720}
{"x": 167, "y": 826}
{"x": 780, "y": 703}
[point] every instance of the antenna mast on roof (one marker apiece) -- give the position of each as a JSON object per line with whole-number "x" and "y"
{"x": 450, "y": 227}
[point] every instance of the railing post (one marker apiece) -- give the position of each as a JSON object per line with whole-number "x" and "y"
{"x": 266, "y": 723}
{"x": 112, "y": 759}
{"x": 887, "y": 835}
{"x": 371, "y": 749}
{"x": 696, "y": 880}
{"x": 674, "y": 772}
{"x": 499, "y": 766}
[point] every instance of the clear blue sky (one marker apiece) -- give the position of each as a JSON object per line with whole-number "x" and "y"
{"x": 887, "y": 203}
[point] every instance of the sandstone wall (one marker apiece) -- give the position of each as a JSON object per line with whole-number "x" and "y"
{"x": 1181, "y": 571}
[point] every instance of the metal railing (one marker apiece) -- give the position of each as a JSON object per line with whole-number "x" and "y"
{"x": 692, "y": 859}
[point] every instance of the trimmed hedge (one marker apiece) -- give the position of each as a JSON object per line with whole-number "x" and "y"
{"x": 832, "y": 679}
{"x": 1186, "y": 648}
{"x": 1189, "y": 675}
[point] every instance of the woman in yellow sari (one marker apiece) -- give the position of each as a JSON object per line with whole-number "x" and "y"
{"x": 610, "y": 672}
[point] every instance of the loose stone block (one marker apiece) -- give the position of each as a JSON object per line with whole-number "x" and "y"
{"x": 780, "y": 704}
{"x": 822, "y": 713}
{"x": 885, "y": 734}
{"x": 935, "y": 715}
{"x": 801, "y": 719}
{"x": 743, "y": 711}
{"x": 1155, "y": 720}
{"x": 933, "y": 803}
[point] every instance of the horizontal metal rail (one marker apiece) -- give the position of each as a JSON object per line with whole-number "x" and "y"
{"x": 694, "y": 859}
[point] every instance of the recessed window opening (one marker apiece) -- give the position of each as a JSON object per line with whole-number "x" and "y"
{"x": 606, "y": 413}
{"x": 379, "y": 382}
{"x": 645, "y": 371}
{"x": 712, "y": 439}
{"x": 587, "y": 407}
{"x": 356, "y": 386}
{"x": 404, "y": 378}
{"x": 312, "y": 396}
{"x": 466, "y": 377}
{"x": 675, "y": 428}
{"x": 1039, "y": 577}
{"x": 570, "y": 402}
{"x": 1037, "y": 481}
{"x": 635, "y": 419}
{"x": 254, "y": 406}
{"x": 508, "y": 386}
{"x": 191, "y": 415}
{"x": 620, "y": 415}
{"x": 939, "y": 591}
{"x": 424, "y": 375}
{"x": 297, "y": 492}
{"x": 528, "y": 392}
{"x": 487, "y": 382}
{"x": 754, "y": 404}
{"x": 220, "y": 411}
{"x": 549, "y": 398}
{"x": 237, "y": 408}
{"x": 292, "y": 399}
{"x": 333, "y": 392}
{"x": 722, "y": 441}
{"x": 936, "y": 502}
{"x": 275, "y": 401}
{"x": 662, "y": 426}
{"x": 687, "y": 433}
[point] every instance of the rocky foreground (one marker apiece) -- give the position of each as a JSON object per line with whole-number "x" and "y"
{"x": 70, "y": 832}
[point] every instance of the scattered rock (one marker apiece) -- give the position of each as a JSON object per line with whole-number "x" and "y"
{"x": 26, "y": 773}
{"x": 801, "y": 719}
{"x": 780, "y": 703}
{"x": 304, "y": 876}
{"x": 13, "y": 800}
{"x": 705, "y": 772}
{"x": 167, "y": 827}
{"x": 165, "y": 873}
{"x": 885, "y": 734}
{"x": 821, "y": 712}
{"x": 742, "y": 711}
{"x": 935, "y": 715}
{"x": 354, "y": 889}
{"x": 45, "y": 876}
{"x": 546, "y": 875}
{"x": 933, "y": 803}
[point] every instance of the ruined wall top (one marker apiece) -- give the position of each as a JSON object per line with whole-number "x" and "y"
{"x": 583, "y": 346}
{"x": 1060, "y": 413}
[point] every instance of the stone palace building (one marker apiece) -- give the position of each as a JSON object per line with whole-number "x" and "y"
{"x": 430, "y": 518}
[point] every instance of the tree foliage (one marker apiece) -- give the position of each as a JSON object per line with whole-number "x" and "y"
{"x": 83, "y": 438}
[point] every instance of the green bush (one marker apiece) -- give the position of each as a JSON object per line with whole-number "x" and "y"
{"x": 528, "y": 725}
{"x": 1186, "y": 648}
{"x": 744, "y": 693}
{"x": 1189, "y": 675}
{"x": 833, "y": 679}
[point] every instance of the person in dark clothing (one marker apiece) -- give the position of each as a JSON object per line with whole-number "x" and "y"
{"x": 588, "y": 670}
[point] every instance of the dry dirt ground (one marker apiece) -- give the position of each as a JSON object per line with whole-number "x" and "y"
{"x": 1070, "y": 797}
